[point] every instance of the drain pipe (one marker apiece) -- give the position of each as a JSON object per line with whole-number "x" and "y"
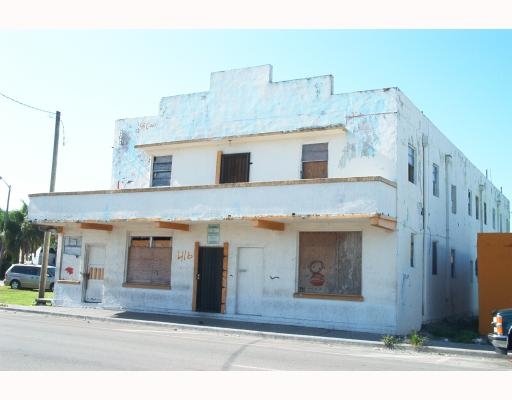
{"x": 481, "y": 210}
{"x": 447, "y": 159}
{"x": 424, "y": 302}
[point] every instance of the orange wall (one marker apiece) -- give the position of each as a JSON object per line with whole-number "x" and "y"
{"x": 494, "y": 275}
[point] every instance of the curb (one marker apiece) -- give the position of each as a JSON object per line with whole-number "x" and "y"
{"x": 268, "y": 335}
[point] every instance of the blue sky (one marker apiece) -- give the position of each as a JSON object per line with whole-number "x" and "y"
{"x": 460, "y": 79}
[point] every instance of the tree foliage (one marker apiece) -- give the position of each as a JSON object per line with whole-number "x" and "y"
{"x": 19, "y": 239}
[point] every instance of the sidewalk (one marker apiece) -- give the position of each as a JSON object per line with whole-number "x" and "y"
{"x": 208, "y": 322}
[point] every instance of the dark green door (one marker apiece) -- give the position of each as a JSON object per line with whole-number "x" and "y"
{"x": 209, "y": 279}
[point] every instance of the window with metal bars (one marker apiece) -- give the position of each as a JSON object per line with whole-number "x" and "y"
{"x": 235, "y": 168}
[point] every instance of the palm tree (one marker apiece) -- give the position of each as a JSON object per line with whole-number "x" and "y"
{"x": 30, "y": 238}
{"x": 20, "y": 238}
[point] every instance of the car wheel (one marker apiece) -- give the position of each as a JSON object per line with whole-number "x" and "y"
{"x": 51, "y": 287}
{"x": 15, "y": 284}
{"x": 501, "y": 350}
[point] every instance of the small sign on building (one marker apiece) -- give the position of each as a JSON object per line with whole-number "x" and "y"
{"x": 213, "y": 234}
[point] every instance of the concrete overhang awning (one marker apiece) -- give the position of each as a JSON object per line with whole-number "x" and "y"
{"x": 261, "y": 203}
{"x": 311, "y": 132}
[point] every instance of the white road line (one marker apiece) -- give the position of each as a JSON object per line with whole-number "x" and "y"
{"x": 252, "y": 367}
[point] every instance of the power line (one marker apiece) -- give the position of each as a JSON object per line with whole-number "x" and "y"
{"x": 51, "y": 113}
{"x": 26, "y": 105}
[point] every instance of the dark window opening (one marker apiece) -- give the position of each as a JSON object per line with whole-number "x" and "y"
{"x": 434, "y": 258}
{"x": 452, "y": 263}
{"x": 435, "y": 180}
{"x": 162, "y": 167}
{"x": 411, "y": 261}
{"x": 235, "y": 168}
{"x": 411, "y": 163}
{"x": 469, "y": 202}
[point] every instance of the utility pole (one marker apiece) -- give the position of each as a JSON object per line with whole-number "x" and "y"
{"x": 47, "y": 233}
{"x": 6, "y": 208}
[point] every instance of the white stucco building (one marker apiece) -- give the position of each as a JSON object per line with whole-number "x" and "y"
{"x": 279, "y": 202}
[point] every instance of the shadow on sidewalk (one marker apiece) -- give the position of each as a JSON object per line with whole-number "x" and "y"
{"x": 248, "y": 326}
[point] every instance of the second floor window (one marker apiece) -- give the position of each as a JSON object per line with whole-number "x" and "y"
{"x": 161, "y": 175}
{"x": 452, "y": 263}
{"x": 411, "y": 163}
{"x": 434, "y": 258}
{"x": 235, "y": 168}
{"x": 454, "y": 199}
{"x": 469, "y": 202}
{"x": 314, "y": 160}
{"x": 435, "y": 180}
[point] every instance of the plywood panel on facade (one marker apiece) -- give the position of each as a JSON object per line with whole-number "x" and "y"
{"x": 330, "y": 263}
{"x": 494, "y": 275}
{"x": 149, "y": 265}
{"x": 316, "y": 169}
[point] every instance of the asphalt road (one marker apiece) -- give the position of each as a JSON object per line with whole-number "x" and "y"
{"x": 31, "y": 342}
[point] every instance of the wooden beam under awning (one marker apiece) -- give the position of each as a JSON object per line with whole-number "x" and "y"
{"x": 173, "y": 225}
{"x": 381, "y": 221}
{"x": 100, "y": 227}
{"x": 266, "y": 224}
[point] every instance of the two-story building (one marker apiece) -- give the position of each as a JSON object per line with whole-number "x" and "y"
{"x": 279, "y": 202}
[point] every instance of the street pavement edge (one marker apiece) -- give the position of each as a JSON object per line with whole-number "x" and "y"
{"x": 253, "y": 333}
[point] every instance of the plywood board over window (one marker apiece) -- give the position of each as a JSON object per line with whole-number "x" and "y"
{"x": 330, "y": 263}
{"x": 149, "y": 261}
{"x": 314, "y": 160}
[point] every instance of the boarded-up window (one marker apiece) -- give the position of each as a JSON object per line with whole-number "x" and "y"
{"x": 162, "y": 167}
{"x": 70, "y": 259}
{"x": 149, "y": 260}
{"x": 235, "y": 168}
{"x": 330, "y": 263}
{"x": 314, "y": 160}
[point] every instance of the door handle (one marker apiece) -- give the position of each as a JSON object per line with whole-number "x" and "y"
{"x": 198, "y": 276}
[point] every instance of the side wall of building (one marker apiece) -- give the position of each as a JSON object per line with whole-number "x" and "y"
{"x": 449, "y": 286}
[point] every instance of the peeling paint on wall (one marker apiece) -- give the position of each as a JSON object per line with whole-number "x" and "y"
{"x": 368, "y": 135}
{"x": 245, "y": 102}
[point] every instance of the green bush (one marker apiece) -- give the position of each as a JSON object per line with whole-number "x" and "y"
{"x": 390, "y": 341}
{"x": 416, "y": 339}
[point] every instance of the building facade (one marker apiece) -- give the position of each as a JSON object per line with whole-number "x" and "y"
{"x": 279, "y": 202}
